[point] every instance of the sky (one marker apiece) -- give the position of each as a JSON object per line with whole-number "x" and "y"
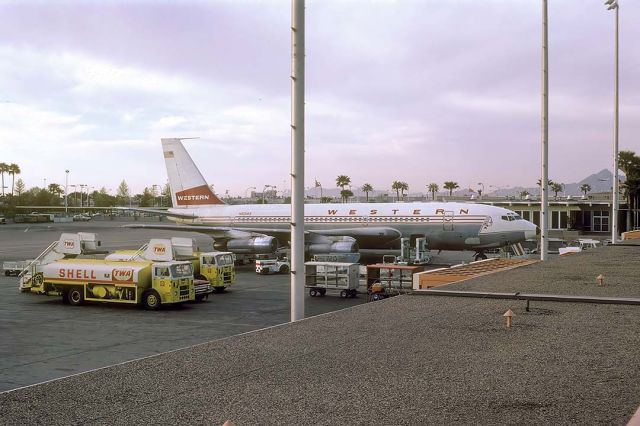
{"x": 417, "y": 91}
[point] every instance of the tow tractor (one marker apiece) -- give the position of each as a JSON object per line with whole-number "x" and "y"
{"x": 390, "y": 279}
{"x": 266, "y": 265}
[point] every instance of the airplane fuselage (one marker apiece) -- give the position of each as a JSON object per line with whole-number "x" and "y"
{"x": 446, "y": 226}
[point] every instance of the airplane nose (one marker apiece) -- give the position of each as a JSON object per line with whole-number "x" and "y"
{"x": 530, "y": 232}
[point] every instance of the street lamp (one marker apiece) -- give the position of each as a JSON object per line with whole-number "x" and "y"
{"x": 66, "y": 193}
{"x": 247, "y": 190}
{"x": 264, "y": 189}
{"x": 155, "y": 193}
{"x": 544, "y": 199}
{"x": 82, "y": 186}
{"x": 613, "y": 5}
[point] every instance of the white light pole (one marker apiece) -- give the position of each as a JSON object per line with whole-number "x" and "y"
{"x": 66, "y": 193}
{"x": 81, "y": 192}
{"x": 297, "y": 159}
{"x": 247, "y": 190}
{"x": 544, "y": 201}
{"x": 613, "y": 5}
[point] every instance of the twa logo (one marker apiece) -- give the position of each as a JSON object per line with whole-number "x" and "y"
{"x": 159, "y": 249}
{"x": 200, "y": 195}
{"x": 69, "y": 243}
{"x": 122, "y": 274}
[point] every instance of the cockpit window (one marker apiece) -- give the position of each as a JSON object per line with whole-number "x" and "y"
{"x": 509, "y": 217}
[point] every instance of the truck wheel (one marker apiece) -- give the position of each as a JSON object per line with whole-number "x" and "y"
{"x": 313, "y": 292}
{"x": 38, "y": 279}
{"x": 322, "y": 291}
{"x": 377, "y": 297}
{"x": 151, "y": 300}
{"x": 284, "y": 269}
{"x": 218, "y": 290}
{"x": 65, "y": 297}
{"x": 343, "y": 294}
{"x": 75, "y": 296}
{"x": 200, "y": 297}
{"x": 353, "y": 293}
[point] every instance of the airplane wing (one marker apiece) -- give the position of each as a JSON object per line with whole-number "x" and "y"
{"x": 157, "y": 212}
{"x": 217, "y": 232}
{"x": 364, "y": 236}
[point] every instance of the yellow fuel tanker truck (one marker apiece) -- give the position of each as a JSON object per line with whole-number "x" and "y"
{"x": 214, "y": 271}
{"x": 152, "y": 283}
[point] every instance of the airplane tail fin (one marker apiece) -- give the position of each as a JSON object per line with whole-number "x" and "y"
{"x": 188, "y": 187}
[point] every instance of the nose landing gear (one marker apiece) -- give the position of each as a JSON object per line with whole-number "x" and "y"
{"x": 480, "y": 256}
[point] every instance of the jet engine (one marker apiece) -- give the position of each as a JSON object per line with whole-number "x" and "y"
{"x": 254, "y": 245}
{"x": 333, "y": 245}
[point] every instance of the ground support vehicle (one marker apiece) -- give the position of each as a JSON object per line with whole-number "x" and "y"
{"x": 266, "y": 265}
{"x": 67, "y": 247}
{"x": 59, "y": 271}
{"x": 578, "y": 246}
{"x": 151, "y": 284}
{"x": 323, "y": 276}
{"x": 413, "y": 255}
{"x": 216, "y": 267}
{"x": 202, "y": 289}
{"x": 389, "y": 279}
{"x": 14, "y": 268}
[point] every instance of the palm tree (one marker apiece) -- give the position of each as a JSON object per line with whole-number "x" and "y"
{"x": 523, "y": 194}
{"x": 343, "y": 181}
{"x": 629, "y": 163}
{"x": 433, "y": 188}
{"x": 4, "y": 168}
{"x": 399, "y": 187}
{"x": 345, "y": 194}
{"x": 450, "y": 186}
{"x": 13, "y": 170}
{"x": 556, "y": 187}
{"x": 585, "y": 188}
{"x": 56, "y": 190}
{"x": 367, "y": 188}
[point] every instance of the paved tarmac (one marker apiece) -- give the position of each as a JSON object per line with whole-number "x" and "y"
{"x": 42, "y": 339}
{"x": 406, "y": 360}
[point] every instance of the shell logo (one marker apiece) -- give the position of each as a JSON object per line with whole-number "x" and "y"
{"x": 159, "y": 249}
{"x": 69, "y": 244}
{"x": 122, "y": 274}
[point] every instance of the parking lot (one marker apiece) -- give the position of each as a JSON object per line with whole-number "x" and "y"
{"x": 42, "y": 339}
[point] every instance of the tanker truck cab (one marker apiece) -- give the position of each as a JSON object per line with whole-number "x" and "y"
{"x": 218, "y": 268}
{"x": 172, "y": 282}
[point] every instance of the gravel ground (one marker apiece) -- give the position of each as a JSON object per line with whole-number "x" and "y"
{"x": 404, "y": 360}
{"x": 570, "y": 275}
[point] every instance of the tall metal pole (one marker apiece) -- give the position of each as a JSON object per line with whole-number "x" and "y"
{"x": 297, "y": 159}
{"x": 66, "y": 193}
{"x": 544, "y": 202}
{"x": 616, "y": 195}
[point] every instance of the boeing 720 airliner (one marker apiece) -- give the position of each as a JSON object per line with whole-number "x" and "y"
{"x": 331, "y": 228}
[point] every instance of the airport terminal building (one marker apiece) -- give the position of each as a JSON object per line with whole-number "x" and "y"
{"x": 585, "y": 215}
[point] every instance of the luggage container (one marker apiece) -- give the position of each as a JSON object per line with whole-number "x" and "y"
{"x": 338, "y": 276}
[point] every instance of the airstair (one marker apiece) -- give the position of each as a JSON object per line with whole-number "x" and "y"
{"x": 68, "y": 246}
